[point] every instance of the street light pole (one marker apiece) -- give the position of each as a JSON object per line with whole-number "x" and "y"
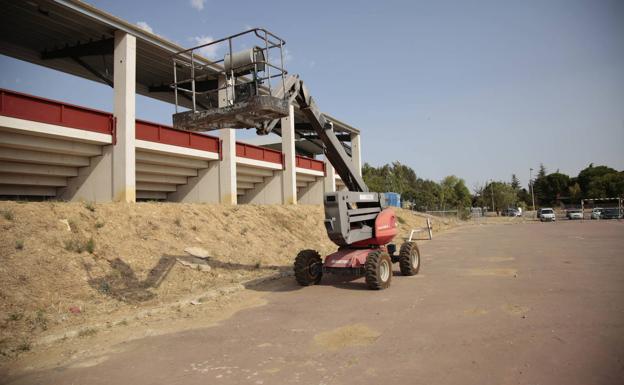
{"x": 531, "y": 186}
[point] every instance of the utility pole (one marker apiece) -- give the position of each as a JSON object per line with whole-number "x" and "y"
{"x": 492, "y": 188}
{"x": 531, "y": 187}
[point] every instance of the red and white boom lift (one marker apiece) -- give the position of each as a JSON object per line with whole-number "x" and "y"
{"x": 236, "y": 92}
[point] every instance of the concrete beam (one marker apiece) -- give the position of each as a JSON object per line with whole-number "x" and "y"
{"x": 124, "y": 75}
{"x": 248, "y": 178}
{"x": 144, "y": 186}
{"x": 27, "y": 190}
{"x": 151, "y": 195}
{"x": 39, "y": 143}
{"x": 33, "y": 180}
{"x": 176, "y": 150}
{"x": 289, "y": 190}
{"x": 155, "y": 178}
{"x": 306, "y": 178}
{"x": 301, "y": 184}
{"x": 30, "y": 127}
{"x": 240, "y": 192}
{"x": 37, "y": 169}
{"x": 244, "y": 185}
{"x": 164, "y": 170}
{"x": 28, "y": 156}
{"x": 253, "y": 171}
{"x": 257, "y": 163}
{"x": 168, "y": 160}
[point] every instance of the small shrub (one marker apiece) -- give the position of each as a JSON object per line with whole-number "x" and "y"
{"x": 194, "y": 228}
{"x": 23, "y": 347}
{"x": 99, "y": 224}
{"x": 400, "y": 220}
{"x": 90, "y": 206}
{"x": 90, "y": 246}
{"x": 178, "y": 222}
{"x": 74, "y": 245}
{"x": 88, "y": 332}
{"x": 41, "y": 320}
{"x": 19, "y": 244}
{"x": 104, "y": 287}
{"x": 15, "y": 316}
{"x": 8, "y": 215}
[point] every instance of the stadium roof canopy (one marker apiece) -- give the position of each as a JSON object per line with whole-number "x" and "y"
{"x": 76, "y": 38}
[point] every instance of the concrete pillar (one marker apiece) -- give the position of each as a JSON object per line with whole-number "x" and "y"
{"x": 227, "y": 165}
{"x": 124, "y": 77}
{"x": 94, "y": 183}
{"x": 290, "y": 166}
{"x": 356, "y": 152}
{"x": 330, "y": 177}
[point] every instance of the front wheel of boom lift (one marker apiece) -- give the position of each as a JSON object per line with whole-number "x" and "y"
{"x": 409, "y": 258}
{"x": 378, "y": 270}
{"x": 308, "y": 267}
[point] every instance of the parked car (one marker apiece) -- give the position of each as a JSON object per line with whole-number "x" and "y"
{"x": 547, "y": 215}
{"x": 611, "y": 214}
{"x": 511, "y": 212}
{"x": 539, "y": 212}
{"x": 596, "y": 213}
{"x": 574, "y": 214}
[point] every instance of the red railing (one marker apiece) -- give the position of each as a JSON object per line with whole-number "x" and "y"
{"x": 29, "y": 107}
{"x": 23, "y": 106}
{"x": 154, "y": 132}
{"x": 249, "y": 151}
{"x": 309, "y": 163}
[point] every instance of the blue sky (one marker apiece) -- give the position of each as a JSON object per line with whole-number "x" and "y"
{"x": 479, "y": 89}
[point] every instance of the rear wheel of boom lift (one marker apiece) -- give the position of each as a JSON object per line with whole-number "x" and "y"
{"x": 308, "y": 267}
{"x": 378, "y": 270}
{"x": 409, "y": 258}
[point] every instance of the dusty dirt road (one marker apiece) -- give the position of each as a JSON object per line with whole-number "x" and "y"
{"x": 494, "y": 304}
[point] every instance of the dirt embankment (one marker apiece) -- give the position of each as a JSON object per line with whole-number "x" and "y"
{"x": 64, "y": 265}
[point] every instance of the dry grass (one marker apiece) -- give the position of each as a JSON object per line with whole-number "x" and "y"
{"x": 108, "y": 260}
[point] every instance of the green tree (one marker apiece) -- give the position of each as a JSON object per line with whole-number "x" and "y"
{"x": 595, "y": 182}
{"x": 515, "y": 182}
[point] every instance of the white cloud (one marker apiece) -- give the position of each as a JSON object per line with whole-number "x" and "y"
{"x": 212, "y": 51}
{"x": 198, "y": 4}
{"x": 144, "y": 26}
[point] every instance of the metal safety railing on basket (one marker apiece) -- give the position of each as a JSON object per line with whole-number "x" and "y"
{"x": 200, "y": 80}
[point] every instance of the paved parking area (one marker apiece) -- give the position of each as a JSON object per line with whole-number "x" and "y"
{"x": 525, "y": 303}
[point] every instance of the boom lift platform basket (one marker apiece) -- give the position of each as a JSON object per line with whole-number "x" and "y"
{"x": 237, "y": 91}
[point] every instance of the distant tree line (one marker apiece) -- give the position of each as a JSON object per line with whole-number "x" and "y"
{"x": 448, "y": 194}
{"x": 451, "y": 192}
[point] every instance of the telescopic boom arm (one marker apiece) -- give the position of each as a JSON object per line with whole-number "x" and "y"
{"x": 334, "y": 151}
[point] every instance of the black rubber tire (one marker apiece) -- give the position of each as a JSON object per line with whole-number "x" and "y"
{"x": 308, "y": 267}
{"x": 409, "y": 258}
{"x": 373, "y": 275}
